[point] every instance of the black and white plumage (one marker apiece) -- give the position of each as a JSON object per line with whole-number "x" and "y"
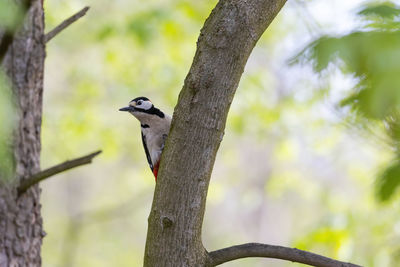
{"x": 154, "y": 127}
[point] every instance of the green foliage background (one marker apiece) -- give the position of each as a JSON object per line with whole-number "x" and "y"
{"x": 295, "y": 167}
{"x": 371, "y": 55}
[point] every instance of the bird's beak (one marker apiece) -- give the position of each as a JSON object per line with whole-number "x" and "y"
{"x": 127, "y": 109}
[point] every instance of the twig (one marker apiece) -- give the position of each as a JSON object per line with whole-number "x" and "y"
{"x": 42, "y": 175}
{"x": 8, "y": 36}
{"x": 65, "y": 24}
{"x": 278, "y": 252}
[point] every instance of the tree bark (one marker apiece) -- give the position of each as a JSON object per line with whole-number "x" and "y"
{"x": 20, "y": 218}
{"x": 224, "y": 45}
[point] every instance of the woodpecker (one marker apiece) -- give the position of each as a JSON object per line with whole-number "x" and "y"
{"x": 154, "y": 125}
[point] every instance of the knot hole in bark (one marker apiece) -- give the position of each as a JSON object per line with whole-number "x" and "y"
{"x": 166, "y": 222}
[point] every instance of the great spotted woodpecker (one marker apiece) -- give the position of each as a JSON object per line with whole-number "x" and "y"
{"x": 155, "y": 126}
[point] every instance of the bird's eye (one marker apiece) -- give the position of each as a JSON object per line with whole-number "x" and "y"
{"x": 139, "y": 102}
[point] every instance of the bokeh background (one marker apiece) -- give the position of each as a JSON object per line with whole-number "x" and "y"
{"x": 297, "y": 167}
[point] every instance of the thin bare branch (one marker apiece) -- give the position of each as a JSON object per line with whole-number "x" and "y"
{"x": 65, "y": 24}
{"x": 277, "y": 252}
{"x": 67, "y": 165}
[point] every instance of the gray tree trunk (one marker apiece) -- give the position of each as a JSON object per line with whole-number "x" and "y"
{"x": 224, "y": 45}
{"x": 20, "y": 218}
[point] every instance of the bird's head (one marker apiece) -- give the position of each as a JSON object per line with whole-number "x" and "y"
{"x": 142, "y": 109}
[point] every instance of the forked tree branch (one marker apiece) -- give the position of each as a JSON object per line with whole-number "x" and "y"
{"x": 277, "y": 252}
{"x": 67, "y": 165}
{"x": 175, "y": 222}
{"x": 66, "y": 23}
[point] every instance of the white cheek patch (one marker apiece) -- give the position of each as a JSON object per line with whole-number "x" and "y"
{"x": 145, "y": 105}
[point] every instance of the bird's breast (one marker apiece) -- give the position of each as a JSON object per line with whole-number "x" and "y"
{"x": 154, "y": 142}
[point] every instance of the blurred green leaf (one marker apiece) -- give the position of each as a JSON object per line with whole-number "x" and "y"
{"x": 10, "y": 14}
{"x": 145, "y": 25}
{"x": 105, "y": 32}
{"x": 326, "y": 238}
{"x": 372, "y": 57}
{"x": 392, "y": 125}
{"x": 383, "y": 10}
{"x": 7, "y": 119}
{"x": 387, "y": 25}
{"x": 388, "y": 182}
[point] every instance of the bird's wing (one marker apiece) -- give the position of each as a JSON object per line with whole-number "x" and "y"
{"x": 164, "y": 137}
{"x": 147, "y": 152}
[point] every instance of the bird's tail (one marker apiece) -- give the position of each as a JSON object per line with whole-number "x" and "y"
{"x": 155, "y": 170}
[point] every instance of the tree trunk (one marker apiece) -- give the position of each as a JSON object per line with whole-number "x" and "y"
{"x": 20, "y": 218}
{"x": 224, "y": 45}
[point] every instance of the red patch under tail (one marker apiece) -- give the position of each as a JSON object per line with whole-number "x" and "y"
{"x": 155, "y": 169}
